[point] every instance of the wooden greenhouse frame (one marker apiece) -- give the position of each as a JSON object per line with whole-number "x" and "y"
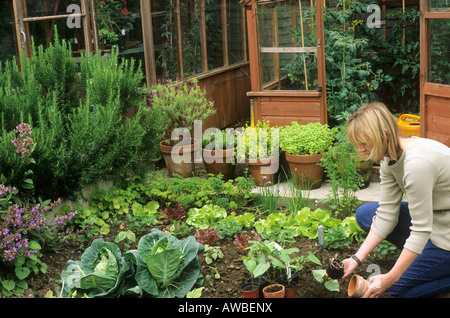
{"x": 281, "y": 107}
{"x": 227, "y": 85}
{"x": 434, "y": 97}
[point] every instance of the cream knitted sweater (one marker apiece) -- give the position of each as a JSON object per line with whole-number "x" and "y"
{"x": 423, "y": 173}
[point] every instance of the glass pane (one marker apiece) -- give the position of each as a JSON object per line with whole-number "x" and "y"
{"x": 440, "y": 51}
{"x": 214, "y": 46}
{"x": 190, "y": 26}
{"x": 50, "y": 7}
{"x": 234, "y": 18}
{"x": 7, "y": 46}
{"x": 43, "y": 34}
{"x": 164, "y": 38}
{"x": 440, "y": 5}
{"x": 131, "y": 38}
{"x": 286, "y": 25}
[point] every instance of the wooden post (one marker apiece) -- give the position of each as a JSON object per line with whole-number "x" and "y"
{"x": 203, "y": 36}
{"x": 321, "y": 60}
{"x": 147, "y": 34}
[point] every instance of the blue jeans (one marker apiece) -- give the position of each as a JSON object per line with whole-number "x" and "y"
{"x": 429, "y": 274}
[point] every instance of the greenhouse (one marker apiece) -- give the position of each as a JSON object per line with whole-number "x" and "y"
{"x": 223, "y": 149}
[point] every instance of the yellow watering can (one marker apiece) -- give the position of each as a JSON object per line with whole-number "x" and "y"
{"x": 409, "y": 127}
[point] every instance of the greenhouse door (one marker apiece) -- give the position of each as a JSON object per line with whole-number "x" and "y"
{"x": 435, "y": 70}
{"x": 287, "y": 61}
{"x": 38, "y": 19}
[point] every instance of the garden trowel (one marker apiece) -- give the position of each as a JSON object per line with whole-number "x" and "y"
{"x": 322, "y": 254}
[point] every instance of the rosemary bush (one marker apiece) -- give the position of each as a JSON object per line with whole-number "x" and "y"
{"x": 78, "y": 116}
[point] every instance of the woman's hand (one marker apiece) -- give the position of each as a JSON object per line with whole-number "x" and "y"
{"x": 378, "y": 284}
{"x": 349, "y": 266}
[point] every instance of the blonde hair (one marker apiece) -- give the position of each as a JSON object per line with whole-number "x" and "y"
{"x": 374, "y": 122}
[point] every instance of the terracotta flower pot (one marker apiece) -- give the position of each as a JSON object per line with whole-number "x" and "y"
{"x": 290, "y": 292}
{"x": 260, "y": 168}
{"x": 305, "y": 170}
{"x": 274, "y": 291}
{"x": 357, "y": 286}
{"x": 250, "y": 290}
{"x": 179, "y": 158}
{"x": 219, "y": 161}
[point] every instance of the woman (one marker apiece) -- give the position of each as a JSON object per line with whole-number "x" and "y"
{"x": 420, "y": 169}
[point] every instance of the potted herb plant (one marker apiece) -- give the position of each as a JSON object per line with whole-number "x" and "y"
{"x": 218, "y": 149}
{"x": 182, "y": 104}
{"x": 259, "y": 147}
{"x": 304, "y": 146}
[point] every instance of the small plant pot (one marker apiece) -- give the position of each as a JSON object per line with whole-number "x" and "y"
{"x": 250, "y": 290}
{"x": 357, "y": 286}
{"x": 289, "y": 292}
{"x": 274, "y": 291}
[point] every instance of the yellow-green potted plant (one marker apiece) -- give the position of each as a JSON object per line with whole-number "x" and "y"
{"x": 304, "y": 146}
{"x": 258, "y": 146}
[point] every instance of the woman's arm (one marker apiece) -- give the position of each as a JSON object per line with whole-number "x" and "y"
{"x": 372, "y": 240}
{"x": 379, "y": 283}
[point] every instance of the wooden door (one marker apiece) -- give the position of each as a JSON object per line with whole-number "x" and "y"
{"x": 278, "y": 95}
{"x": 435, "y": 70}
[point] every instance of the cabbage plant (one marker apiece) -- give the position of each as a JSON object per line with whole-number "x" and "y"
{"x": 162, "y": 266}
{"x": 165, "y": 266}
{"x": 101, "y": 272}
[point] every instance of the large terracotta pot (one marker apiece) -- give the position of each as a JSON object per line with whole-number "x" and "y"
{"x": 264, "y": 170}
{"x": 305, "y": 170}
{"x": 219, "y": 161}
{"x": 179, "y": 158}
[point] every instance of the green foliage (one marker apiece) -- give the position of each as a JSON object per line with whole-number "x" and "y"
{"x": 205, "y": 217}
{"x": 14, "y": 275}
{"x": 180, "y": 104}
{"x": 165, "y": 266}
{"x": 77, "y": 114}
{"x": 100, "y": 272}
{"x": 258, "y": 142}
{"x": 304, "y": 223}
{"x": 341, "y": 166}
{"x": 401, "y": 55}
{"x": 190, "y": 192}
{"x": 308, "y": 139}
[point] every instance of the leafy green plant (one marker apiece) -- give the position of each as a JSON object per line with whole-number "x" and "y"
{"x": 258, "y": 142}
{"x": 101, "y": 271}
{"x": 341, "y": 166}
{"x": 166, "y": 266}
{"x": 308, "y": 139}
{"x": 206, "y": 216}
{"x": 126, "y": 237}
{"x": 77, "y": 113}
{"x": 218, "y": 139}
{"x": 180, "y": 104}
{"x": 321, "y": 274}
